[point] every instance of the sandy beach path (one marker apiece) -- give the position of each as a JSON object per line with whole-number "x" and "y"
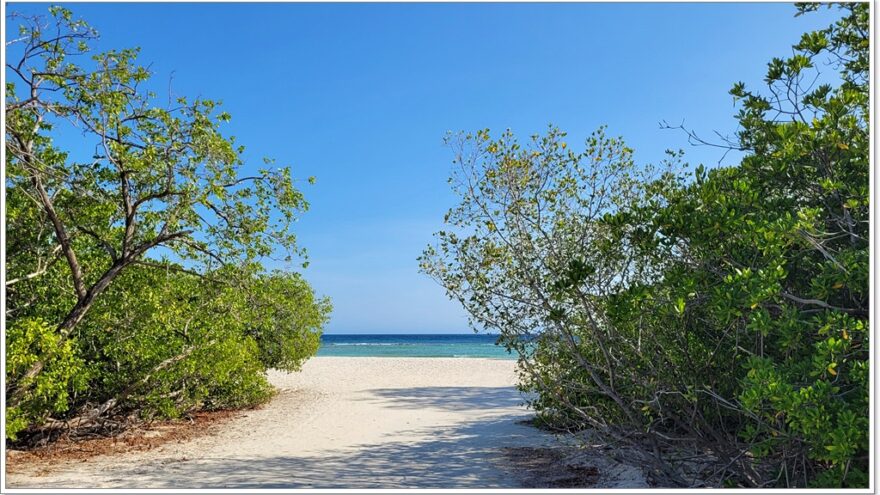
{"x": 341, "y": 422}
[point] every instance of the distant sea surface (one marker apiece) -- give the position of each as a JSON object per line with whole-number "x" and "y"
{"x": 416, "y": 345}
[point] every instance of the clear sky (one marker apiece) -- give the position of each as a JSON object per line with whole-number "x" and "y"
{"x": 361, "y": 95}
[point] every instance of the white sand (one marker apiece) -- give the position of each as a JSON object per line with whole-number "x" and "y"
{"x": 341, "y": 423}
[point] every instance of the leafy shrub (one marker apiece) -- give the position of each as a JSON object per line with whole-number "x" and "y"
{"x": 65, "y": 372}
{"x": 723, "y": 312}
{"x": 164, "y": 342}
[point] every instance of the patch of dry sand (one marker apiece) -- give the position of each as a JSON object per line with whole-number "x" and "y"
{"x": 341, "y": 423}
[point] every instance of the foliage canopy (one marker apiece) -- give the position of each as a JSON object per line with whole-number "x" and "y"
{"x": 135, "y": 243}
{"x": 722, "y": 311}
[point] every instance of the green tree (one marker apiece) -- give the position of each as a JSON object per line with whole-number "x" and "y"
{"x": 161, "y": 189}
{"x": 723, "y": 313}
{"x": 528, "y": 255}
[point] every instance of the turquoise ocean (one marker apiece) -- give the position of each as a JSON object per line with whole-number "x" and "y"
{"x": 415, "y": 345}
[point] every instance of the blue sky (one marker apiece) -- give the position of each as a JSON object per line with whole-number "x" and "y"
{"x": 360, "y": 96}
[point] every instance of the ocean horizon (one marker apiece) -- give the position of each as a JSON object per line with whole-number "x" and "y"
{"x": 413, "y": 345}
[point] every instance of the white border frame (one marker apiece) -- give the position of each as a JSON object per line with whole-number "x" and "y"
{"x": 873, "y": 307}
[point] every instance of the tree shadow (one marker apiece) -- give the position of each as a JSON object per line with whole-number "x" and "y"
{"x": 464, "y": 456}
{"x": 447, "y": 398}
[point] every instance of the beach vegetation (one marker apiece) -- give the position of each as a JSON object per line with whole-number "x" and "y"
{"x": 716, "y": 318}
{"x": 136, "y": 244}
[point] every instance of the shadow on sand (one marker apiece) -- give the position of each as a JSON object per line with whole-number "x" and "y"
{"x": 465, "y": 455}
{"x": 448, "y": 398}
{"x": 458, "y": 457}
